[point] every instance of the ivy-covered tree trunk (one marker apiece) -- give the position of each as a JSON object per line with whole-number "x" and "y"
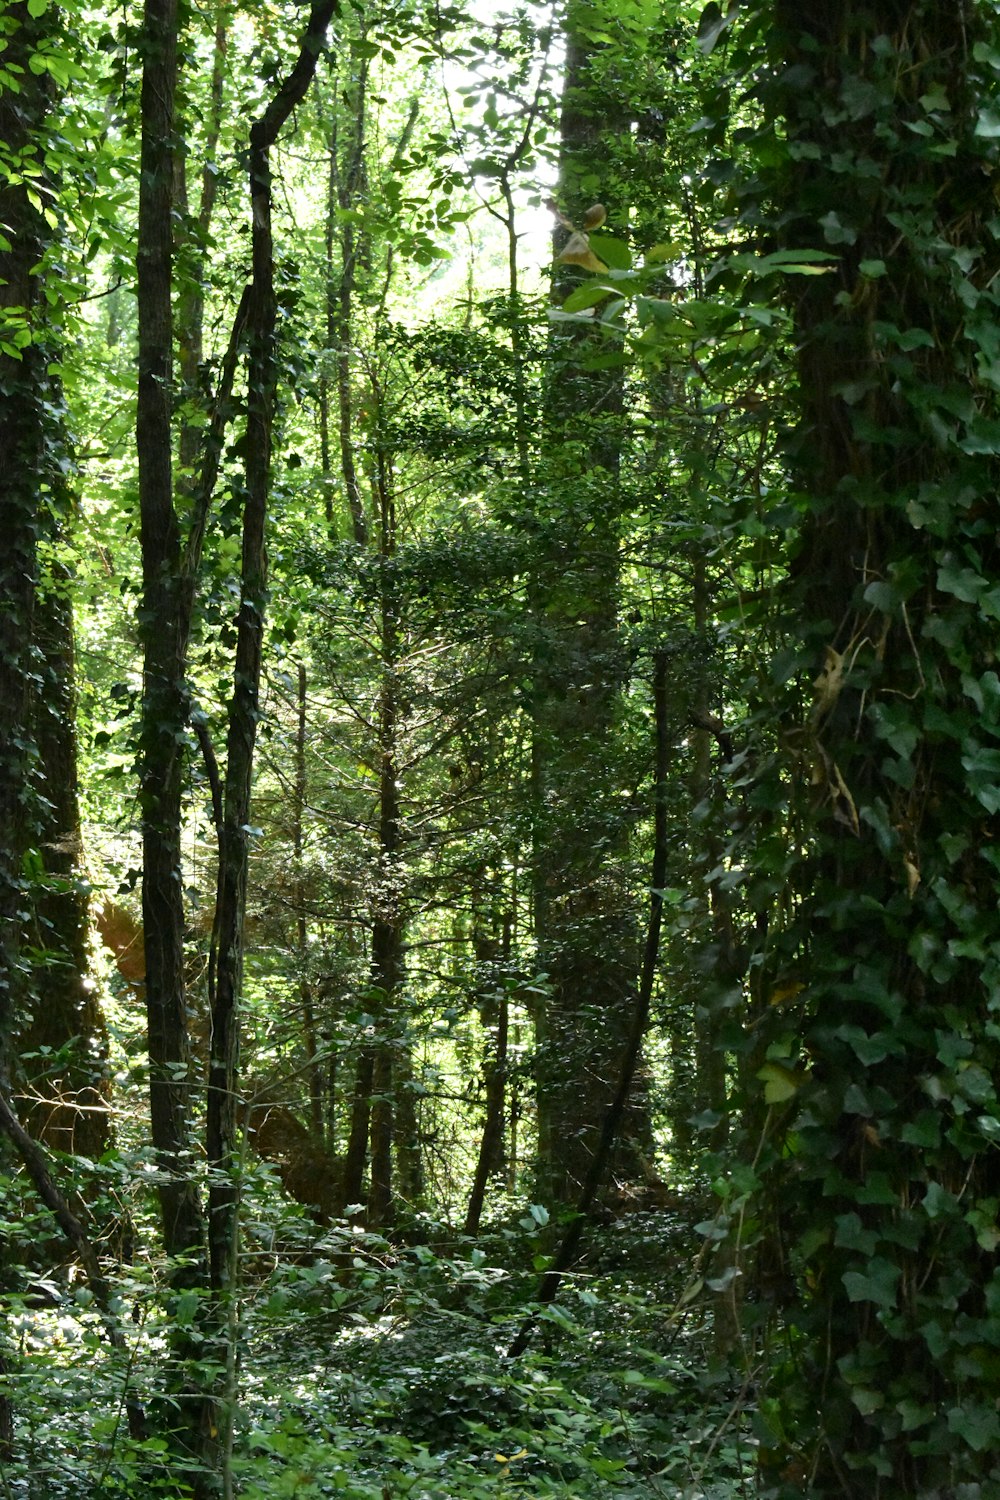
{"x": 63, "y": 1040}
{"x": 165, "y": 625}
{"x": 587, "y": 939}
{"x": 30, "y": 452}
{"x": 885, "y": 1165}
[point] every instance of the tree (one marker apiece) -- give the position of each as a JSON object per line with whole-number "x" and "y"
{"x": 585, "y": 928}
{"x": 882, "y": 1054}
{"x": 30, "y": 444}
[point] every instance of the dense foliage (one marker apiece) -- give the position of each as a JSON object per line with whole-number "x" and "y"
{"x": 498, "y": 920}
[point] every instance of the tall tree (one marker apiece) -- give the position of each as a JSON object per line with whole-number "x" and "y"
{"x": 886, "y": 156}
{"x": 166, "y": 624}
{"x": 586, "y": 931}
{"x": 31, "y": 448}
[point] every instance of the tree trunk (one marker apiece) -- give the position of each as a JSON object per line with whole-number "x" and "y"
{"x": 490, "y": 1159}
{"x": 221, "y": 1139}
{"x": 387, "y": 929}
{"x": 165, "y": 624}
{"x": 586, "y": 934}
{"x": 68, "y": 1104}
{"x": 492, "y": 949}
{"x": 31, "y": 445}
{"x": 314, "y": 1071}
{"x": 883, "y": 1183}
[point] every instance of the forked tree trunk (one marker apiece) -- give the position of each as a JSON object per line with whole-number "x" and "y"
{"x": 221, "y": 1132}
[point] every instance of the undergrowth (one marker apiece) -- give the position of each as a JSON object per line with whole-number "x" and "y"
{"x": 371, "y": 1371}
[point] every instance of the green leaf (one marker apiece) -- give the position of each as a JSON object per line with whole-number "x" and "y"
{"x": 935, "y": 100}
{"x": 988, "y": 124}
{"x": 37, "y": 7}
{"x": 611, "y": 251}
{"x": 792, "y": 262}
{"x": 780, "y": 1083}
{"x": 867, "y": 1400}
{"x": 938, "y": 1202}
{"x": 851, "y": 1235}
{"x": 984, "y": 53}
{"x": 877, "y": 1284}
{"x": 925, "y": 1130}
{"x": 649, "y": 1383}
{"x": 883, "y": 596}
{"x": 962, "y": 582}
{"x": 872, "y": 268}
{"x": 585, "y": 296}
{"x": 712, "y": 24}
{"x": 667, "y": 251}
{"x": 978, "y": 1424}
{"x": 835, "y": 232}
{"x": 913, "y": 1415}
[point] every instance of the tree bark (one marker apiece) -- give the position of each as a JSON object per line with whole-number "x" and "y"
{"x": 66, "y": 1102}
{"x": 165, "y": 626}
{"x": 628, "y": 1062}
{"x": 221, "y": 1137}
{"x": 885, "y": 768}
{"x": 586, "y": 935}
{"x": 30, "y": 447}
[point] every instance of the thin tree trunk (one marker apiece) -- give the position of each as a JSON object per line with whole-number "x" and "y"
{"x": 490, "y": 1158}
{"x": 356, "y": 1154}
{"x": 387, "y": 927}
{"x": 164, "y": 629}
{"x": 616, "y": 1112}
{"x": 222, "y": 1147}
{"x": 314, "y": 1072}
{"x": 344, "y": 191}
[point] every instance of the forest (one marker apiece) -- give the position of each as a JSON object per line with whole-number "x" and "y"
{"x": 500, "y": 749}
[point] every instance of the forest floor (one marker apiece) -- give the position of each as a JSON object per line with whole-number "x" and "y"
{"x": 375, "y": 1372}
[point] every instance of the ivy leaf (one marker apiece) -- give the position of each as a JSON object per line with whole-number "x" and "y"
{"x": 914, "y": 1415}
{"x": 837, "y": 233}
{"x": 988, "y": 124}
{"x": 851, "y": 1234}
{"x": 938, "y": 1202}
{"x": 962, "y": 582}
{"x": 979, "y": 1425}
{"x": 780, "y": 1083}
{"x": 877, "y": 1284}
{"x": 37, "y": 7}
